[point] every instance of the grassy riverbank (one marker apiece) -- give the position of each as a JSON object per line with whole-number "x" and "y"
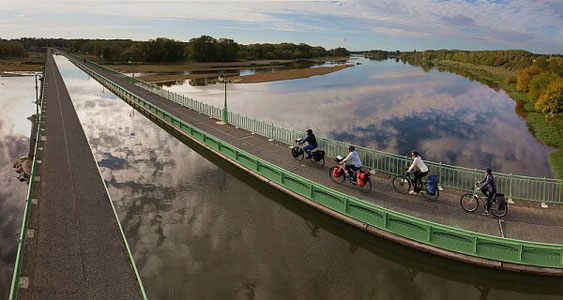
{"x": 547, "y": 129}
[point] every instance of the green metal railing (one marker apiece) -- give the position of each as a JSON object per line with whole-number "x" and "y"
{"x": 515, "y": 187}
{"x": 420, "y": 230}
{"x": 21, "y": 240}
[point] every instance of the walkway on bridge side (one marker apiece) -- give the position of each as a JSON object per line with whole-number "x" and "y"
{"x": 76, "y": 250}
{"x": 529, "y": 223}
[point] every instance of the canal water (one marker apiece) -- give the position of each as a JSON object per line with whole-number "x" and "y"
{"x": 199, "y": 229}
{"x": 395, "y": 107}
{"x": 16, "y": 96}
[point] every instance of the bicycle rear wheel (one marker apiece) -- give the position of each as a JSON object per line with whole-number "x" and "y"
{"x": 431, "y": 197}
{"x": 401, "y": 184}
{"x": 367, "y": 186}
{"x": 469, "y": 202}
{"x": 318, "y": 164}
{"x": 497, "y": 212}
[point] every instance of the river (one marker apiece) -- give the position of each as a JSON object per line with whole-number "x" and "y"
{"x": 395, "y": 107}
{"x": 200, "y": 229}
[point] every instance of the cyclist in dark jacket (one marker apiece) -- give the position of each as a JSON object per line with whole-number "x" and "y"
{"x": 488, "y": 188}
{"x": 311, "y": 142}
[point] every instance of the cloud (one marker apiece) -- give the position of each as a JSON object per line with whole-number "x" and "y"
{"x": 490, "y": 23}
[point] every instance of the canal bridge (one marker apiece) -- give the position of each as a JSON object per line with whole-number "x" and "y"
{"x": 69, "y": 213}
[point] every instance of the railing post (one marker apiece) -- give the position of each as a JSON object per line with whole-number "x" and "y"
{"x": 510, "y": 187}
{"x": 544, "y": 193}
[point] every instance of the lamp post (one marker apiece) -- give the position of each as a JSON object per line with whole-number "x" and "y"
{"x": 132, "y": 63}
{"x": 223, "y": 77}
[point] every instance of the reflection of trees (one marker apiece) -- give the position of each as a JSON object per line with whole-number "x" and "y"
{"x": 427, "y": 66}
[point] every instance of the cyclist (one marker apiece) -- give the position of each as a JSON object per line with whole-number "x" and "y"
{"x": 488, "y": 188}
{"x": 311, "y": 142}
{"x": 418, "y": 174}
{"x": 352, "y": 163}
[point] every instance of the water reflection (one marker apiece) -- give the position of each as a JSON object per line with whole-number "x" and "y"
{"x": 16, "y": 96}
{"x": 199, "y": 232}
{"x": 396, "y": 107}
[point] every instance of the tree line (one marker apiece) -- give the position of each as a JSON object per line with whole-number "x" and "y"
{"x": 540, "y": 77}
{"x": 201, "y": 49}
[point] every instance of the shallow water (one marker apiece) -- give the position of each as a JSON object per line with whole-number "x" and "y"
{"x": 16, "y": 96}
{"x": 395, "y": 107}
{"x": 200, "y": 231}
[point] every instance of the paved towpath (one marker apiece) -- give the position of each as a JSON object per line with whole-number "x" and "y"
{"x": 77, "y": 251}
{"x": 525, "y": 223}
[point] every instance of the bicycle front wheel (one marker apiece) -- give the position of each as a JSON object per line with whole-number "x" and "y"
{"x": 401, "y": 184}
{"x": 340, "y": 179}
{"x": 469, "y": 202}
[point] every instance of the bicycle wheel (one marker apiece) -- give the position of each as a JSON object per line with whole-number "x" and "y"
{"x": 431, "y": 197}
{"x": 297, "y": 153}
{"x": 469, "y": 202}
{"x": 340, "y": 179}
{"x": 367, "y": 186}
{"x": 318, "y": 164}
{"x": 497, "y": 212}
{"x": 401, "y": 184}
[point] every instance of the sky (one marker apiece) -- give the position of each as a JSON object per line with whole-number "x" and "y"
{"x": 534, "y": 25}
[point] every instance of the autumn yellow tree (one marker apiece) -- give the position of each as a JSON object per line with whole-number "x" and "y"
{"x": 551, "y": 101}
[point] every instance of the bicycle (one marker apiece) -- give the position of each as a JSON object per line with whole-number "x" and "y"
{"x": 338, "y": 175}
{"x": 470, "y": 203}
{"x": 403, "y": 184}
{"x": 317, "y": 156}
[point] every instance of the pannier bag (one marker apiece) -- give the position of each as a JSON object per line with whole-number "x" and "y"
{"x": 501, "y": 201}
{"x": 432, "y": 184}
{"x": 336, "y": 172}
{"x": 318, "y": 155}
{"x": 361, "y": 177}
{"x": 296, "y": 151}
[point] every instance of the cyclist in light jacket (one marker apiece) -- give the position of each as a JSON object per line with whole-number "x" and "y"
{"x": 418, "y": 174}
{"x": 352, "y": 162}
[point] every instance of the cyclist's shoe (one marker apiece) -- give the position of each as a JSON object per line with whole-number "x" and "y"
{"x": 412, "y": 192}
{"x": 354, "y": 182}
{"x": 486, "y": 213}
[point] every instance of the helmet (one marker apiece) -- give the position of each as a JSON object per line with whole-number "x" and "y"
{"x": 414, "y": 152}
{"x": 351, "y": 148}
{"x": 488, "y": 170}
{"x": 309, "y": 131}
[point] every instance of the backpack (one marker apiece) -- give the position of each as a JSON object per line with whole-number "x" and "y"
{"x": 337, "y": 172}
{"x": 432, "y": 184}
{"x": 501, "y": 201}
{"x": 318, "y": 155}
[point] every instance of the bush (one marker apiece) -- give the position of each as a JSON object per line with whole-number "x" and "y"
{"x": 551, "y": 101}
{"x": 510, "y": 80}
{"x": 525, "y": 76}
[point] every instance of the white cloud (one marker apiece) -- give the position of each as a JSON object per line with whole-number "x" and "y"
{"x": 519, "y": 23}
